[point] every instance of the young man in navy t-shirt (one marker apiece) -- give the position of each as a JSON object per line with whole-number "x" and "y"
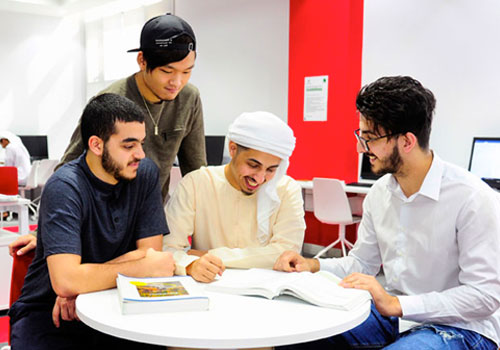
{"x": 100, "y": 215}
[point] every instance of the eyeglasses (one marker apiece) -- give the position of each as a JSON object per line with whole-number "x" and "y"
{"x": 364, "y": 142}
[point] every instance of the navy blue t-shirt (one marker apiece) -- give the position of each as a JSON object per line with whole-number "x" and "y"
{"x": 82, "y": 215}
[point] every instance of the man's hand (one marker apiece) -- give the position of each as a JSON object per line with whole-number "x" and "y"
{"x": 22, "y": 245}
{"x": 385, "y": 303}
{"x": 206, "y": 268}
{"x": 160, "y": 264}
{"x": 291, "y": 261}
{"x": 65, "y": 309}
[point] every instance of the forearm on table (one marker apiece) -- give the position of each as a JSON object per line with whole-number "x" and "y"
{"x": 143, "y": 245}
{"x": 130, "y": 256}
{"x": 70, "y": 280}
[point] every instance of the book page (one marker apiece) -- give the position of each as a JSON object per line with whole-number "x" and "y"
{"x": 323, "y": 290}
{"x": 263, "y": 282}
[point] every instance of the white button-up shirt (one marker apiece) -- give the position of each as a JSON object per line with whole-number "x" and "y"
{"x": 440, "y": 248}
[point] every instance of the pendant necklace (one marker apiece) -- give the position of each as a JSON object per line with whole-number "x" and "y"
{"x": 155, "y": 123}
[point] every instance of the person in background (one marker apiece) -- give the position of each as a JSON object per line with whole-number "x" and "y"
{"x": 16, "y": 155}
{"x": 243, "y": 214}
{"x": 434, "y": 226}
{"x": 100, "y": 215}
{"x": 174, "y": 117}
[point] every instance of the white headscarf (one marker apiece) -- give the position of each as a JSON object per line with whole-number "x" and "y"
{"x": 14, "y": 140}
{"x": 267, "y": 133}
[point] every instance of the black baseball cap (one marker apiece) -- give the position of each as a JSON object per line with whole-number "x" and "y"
{"x": 159, "y": 33}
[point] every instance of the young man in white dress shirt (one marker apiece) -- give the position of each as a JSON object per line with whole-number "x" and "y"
{"x": 433, "y": 226}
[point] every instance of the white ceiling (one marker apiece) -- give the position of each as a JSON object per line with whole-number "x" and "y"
{"x": 50, "y": 7}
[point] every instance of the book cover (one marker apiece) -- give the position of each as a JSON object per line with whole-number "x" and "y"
{"x": 160, "y": 294}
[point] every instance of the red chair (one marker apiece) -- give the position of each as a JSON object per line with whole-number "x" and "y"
{"x": 20, "y": 266}
{"x": 8, "y": 180}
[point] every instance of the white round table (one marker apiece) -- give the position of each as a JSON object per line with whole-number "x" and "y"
{"x": 231, "y": 321}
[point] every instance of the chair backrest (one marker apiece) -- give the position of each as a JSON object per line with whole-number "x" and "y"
{"x": 32, "y": 181}
{"x": 8, "y": 180}
{"x": 175, "y": 177}
{"x": 331, "y": 205}
{"x": 45, "y": 170}
{"x": 20, "y": 266}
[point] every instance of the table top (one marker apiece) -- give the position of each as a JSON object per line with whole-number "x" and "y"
{"x": 7, "y": 201}
{"x": 231, "y": 322}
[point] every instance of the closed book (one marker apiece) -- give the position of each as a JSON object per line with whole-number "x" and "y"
{"x": 160, "y": 294}
{"x": 320, "y": 288}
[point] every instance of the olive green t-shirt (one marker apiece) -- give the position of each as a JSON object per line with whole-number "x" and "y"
{"x": 180, "y": 130}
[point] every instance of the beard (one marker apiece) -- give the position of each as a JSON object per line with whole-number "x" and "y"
{"x": 391, "y": 164}
{"x": 112, "y": 167}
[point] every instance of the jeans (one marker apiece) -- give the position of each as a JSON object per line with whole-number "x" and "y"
{"x": 380, "y": 332}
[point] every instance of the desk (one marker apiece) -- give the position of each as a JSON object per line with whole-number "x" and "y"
{"x": 308, "y": 185}
{"x": 356, "y": 201}
{"x": 231, "y": 322}
{"x": 20, "y": 206}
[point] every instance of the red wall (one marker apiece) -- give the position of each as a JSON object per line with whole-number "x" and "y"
{"x": 325, "y": 39}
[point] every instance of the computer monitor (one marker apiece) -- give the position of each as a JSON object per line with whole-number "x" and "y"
{"x": 215, "y": 149}
{"x": 484, "y": 160}
{"x": 36, "y": 146}
{"x": 365, "y": 170}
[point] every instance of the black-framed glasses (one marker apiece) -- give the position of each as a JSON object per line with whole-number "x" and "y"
{"x": 364, "y": 142}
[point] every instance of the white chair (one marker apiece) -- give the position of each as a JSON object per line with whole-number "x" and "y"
{"x": 31, "y": 183}
{"x": 45, "y": 171}
{"x": 175, "y": 177}
{"x": 331, "y": 206}
{"x": 40, "y": 172}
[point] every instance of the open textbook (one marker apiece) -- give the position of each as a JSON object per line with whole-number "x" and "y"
{"x": 320, "y": 288}
{"x": 160, "y": 294}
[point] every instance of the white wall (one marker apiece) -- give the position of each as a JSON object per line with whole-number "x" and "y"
{"x": 242, "y": 62}
{"x": 43, "y": 80}
{"x": 453, "y": 48}
{"x": 242, "y": 65}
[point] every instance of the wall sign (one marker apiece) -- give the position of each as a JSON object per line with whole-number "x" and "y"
{"x": 315, "y": 98}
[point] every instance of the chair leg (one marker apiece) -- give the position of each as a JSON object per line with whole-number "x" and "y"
{"x": 342, "y": 238}
{"x": 343, "y": 243}
{"x": 324, "y": 250}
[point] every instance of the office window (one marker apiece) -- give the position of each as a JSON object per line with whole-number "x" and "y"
{"x": 108, "y": 36}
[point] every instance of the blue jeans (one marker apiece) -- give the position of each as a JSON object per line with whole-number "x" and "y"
{"x": 380, "y": 332}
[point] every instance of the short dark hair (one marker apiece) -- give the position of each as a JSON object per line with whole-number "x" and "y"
{"x": 161, "y": 57}
{"x": 101, "y": 113}
{"x": 240, "y": 148}
{"x": 398, "y": 105}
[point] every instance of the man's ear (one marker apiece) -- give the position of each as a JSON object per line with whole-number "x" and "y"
{"x": 141, "y": 61}
{"x": 409, "y": 141}
{"x": 96, "y": 145}
{"x": 233, "y": 148}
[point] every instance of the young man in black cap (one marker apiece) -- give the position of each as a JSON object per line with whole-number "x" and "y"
{"x": 174, "y": 117}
